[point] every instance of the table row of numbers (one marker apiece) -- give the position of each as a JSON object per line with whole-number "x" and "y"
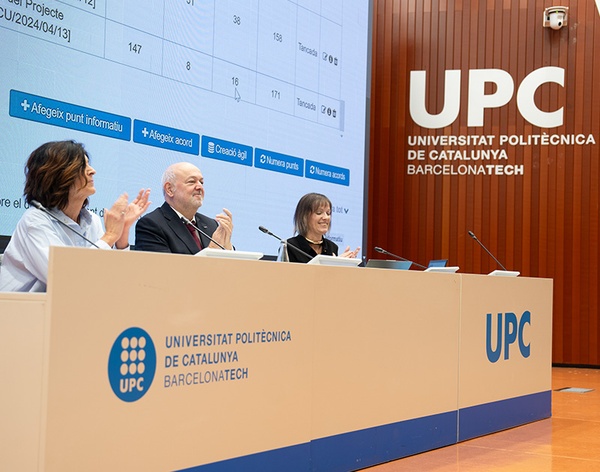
{"x": 280, "y": 38}
{"x": 281, "y": 65}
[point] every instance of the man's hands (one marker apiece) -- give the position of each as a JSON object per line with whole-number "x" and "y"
{"x": 223, "y": 233}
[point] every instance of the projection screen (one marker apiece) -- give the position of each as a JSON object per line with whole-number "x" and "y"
{"x": 267, "y": 97}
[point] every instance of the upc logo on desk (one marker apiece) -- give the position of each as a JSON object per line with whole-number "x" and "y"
{"x": 132, "y": 364}
{"x": 513, "y": 329}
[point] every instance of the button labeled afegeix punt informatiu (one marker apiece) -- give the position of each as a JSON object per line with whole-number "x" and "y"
{"x": 68, "y": 115}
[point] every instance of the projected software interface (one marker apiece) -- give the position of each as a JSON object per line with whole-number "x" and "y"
{"x": 267, "y": 97}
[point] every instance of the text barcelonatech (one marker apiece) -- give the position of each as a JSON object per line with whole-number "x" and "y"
{"x": 205, "y": 377}
{"x": 463, "y": 169}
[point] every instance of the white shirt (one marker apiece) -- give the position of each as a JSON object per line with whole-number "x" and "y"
{"x": 183, "y": 218}
{"x": 25, "y": 261}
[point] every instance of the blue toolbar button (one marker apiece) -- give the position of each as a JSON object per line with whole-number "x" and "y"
{"x": 327, "y": 173}
{"x": 276, "y": 162}
{"x": 222, "y": 150}
{"x": 68, "y": 115}
{"x": 164, "y": 137}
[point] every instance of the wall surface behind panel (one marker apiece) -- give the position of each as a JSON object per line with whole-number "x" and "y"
{"x": 543, "y": 221}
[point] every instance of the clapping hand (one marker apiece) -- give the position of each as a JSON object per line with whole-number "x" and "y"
{"x": 350, "y": 254}
{"x": 121, "y": 216}
{"x": 137, "y": 207}
{"x": 223, "y": 233}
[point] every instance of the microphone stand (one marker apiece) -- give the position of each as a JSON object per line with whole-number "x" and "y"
{"x": 383, "y": 251}
{"x": 186, "y": 221}
{"x": 486, "y": 249}
{"x": 285, "y": 243}
{"x": 41, "y": 207}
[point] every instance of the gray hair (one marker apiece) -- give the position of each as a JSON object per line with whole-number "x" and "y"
{"x": 168, "y": 176}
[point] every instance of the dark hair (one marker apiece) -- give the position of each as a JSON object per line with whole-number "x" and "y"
{"x": 51, "y": 171}
{"x": 307, "y": 205}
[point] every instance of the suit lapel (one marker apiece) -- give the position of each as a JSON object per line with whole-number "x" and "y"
{"x": 204, "y": 227}
{"x": 178, "y": 227}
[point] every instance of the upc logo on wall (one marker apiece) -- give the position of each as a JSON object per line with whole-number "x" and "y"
{"x": 132, "y": 364}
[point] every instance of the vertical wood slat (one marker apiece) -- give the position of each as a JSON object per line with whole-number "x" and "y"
{"x": 544, "y": 223}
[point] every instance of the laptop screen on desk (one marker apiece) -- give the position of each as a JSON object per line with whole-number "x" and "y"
{"x": 438, "y": 262}
{"x": 381, "y": 264}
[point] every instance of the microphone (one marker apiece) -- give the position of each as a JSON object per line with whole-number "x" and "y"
{"x": 266, "y": 231}
{"x": 186, "y": 221}
{"x": 486, "y": 249}
{"x": 383, "y": 251}
{"x": 39, "y": 206}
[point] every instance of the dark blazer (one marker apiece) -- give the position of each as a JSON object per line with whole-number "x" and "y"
{"x": 299, "y": 242}
{"x": 162, "y": 230}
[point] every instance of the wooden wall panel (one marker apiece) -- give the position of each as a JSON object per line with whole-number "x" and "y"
{"x": 544, "y": 223}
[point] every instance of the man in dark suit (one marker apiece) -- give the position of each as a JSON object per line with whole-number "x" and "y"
{"x": 165, "y": 228}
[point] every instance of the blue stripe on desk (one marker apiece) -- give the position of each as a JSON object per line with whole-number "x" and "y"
{"x": 484, "y": 419}
{"x": 349, "y": 451}
{"x": 371, "y": 446}
{"x": 292, "y": 459}
{"x": 367, "y": 447}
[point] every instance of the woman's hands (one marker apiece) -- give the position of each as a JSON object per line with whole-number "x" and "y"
{"x": 350, "y": 254}
{"x": 121, "y": 216}
{"x": 137, "y": 207}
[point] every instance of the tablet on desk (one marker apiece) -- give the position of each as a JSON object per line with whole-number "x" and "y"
{"x": 446, "y": 270}
{"x": 322, "y": 259}
{"x": 229, "y": 254}
{"x": 385, "y": 264}
{"x": 505, "y": 273}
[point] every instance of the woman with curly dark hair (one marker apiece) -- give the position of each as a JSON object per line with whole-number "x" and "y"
{"x": 58, "y": 181}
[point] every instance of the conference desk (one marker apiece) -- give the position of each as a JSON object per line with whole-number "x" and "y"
{"x": 155, "y": 362}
